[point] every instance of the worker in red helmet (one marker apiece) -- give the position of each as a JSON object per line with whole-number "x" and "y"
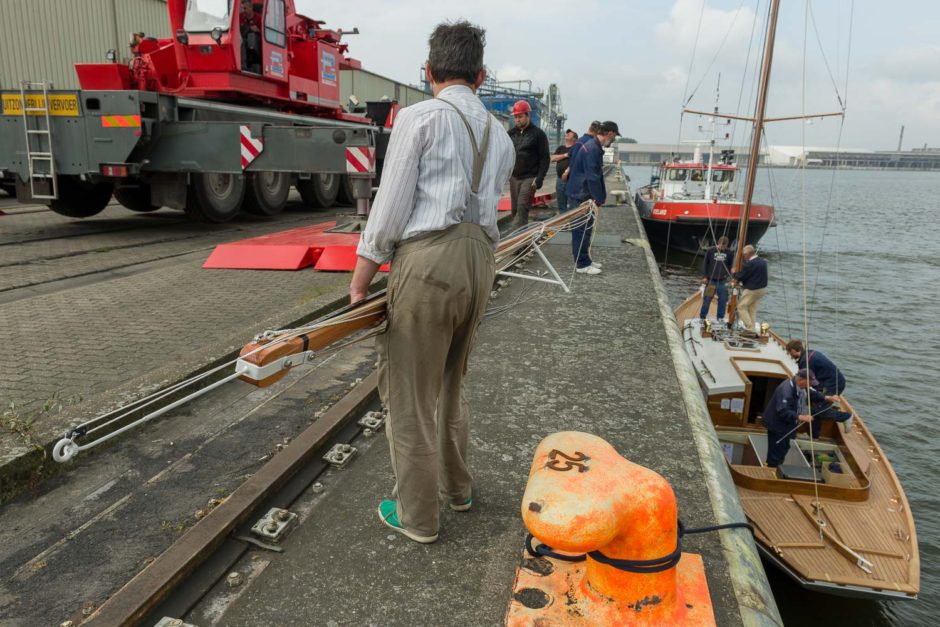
{"x": 532, "y": 161}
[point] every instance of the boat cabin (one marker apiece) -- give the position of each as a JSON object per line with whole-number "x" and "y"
{"x": 692, "y": 181}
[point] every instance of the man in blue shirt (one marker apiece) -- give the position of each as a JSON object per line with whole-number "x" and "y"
{"x": 752, "y": 277}
{"x": 586, "y": 181}
{"x": 714, "y": 274}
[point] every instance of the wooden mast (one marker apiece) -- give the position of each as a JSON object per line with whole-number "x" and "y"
{"x": 754, "y": 157}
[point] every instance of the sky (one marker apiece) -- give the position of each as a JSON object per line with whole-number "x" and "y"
{"x": 630, "y": 60}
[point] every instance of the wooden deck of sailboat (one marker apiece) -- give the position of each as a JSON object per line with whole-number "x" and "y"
{"x": 860, "y": 539}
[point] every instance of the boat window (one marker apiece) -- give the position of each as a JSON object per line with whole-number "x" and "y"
{"x": 720, "y": 176}
{"x": 204, "y": 15}
{"x": 677, "y": 175}
{"x": 275, "y": 29}
{"x": 697, "y": 176}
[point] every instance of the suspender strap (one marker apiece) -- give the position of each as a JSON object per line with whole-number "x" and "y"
{"x": 479, "y": 154}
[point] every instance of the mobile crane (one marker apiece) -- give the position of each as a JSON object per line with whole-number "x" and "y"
{"x": 224, "y": 116}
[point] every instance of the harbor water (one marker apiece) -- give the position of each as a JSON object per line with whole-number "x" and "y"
{"x": 872, "y": 290}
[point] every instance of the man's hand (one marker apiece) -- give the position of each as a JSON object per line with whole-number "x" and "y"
{"x": 564, "y": 175}
{"x": 356, "y": 294}
{"x": 833, "y": 399}
{"x": 805, "y": 418}
{"x": 537, "y": 184}
{"x": 362, "y": 276}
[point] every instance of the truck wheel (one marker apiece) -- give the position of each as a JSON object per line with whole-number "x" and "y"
{"x": 215, "y": 196}
{"x": 81, "y": 199}
{"x": 267, "y": 193}
{"x": 345, "y": 196}
{"x": 320, "y": 190}
{"x": 135, "y": 198}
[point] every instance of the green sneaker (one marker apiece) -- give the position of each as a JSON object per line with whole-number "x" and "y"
{"x": 462, "y": 507}
{"x": 388, "y": 513}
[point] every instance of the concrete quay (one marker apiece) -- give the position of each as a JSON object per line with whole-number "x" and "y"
{"x": 602, "y": 359}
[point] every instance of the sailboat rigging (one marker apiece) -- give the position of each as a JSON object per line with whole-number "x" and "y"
{"x": 833, "y": 515}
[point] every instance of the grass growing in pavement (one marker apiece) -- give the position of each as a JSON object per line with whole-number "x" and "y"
{"x": 21, "y": 425}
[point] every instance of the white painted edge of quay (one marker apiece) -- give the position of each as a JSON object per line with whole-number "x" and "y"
{"x": 755, "y": 600}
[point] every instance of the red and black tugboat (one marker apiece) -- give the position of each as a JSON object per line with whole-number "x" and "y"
{"x": 694, "y": 203}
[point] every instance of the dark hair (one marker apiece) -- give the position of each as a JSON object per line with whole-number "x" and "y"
{"x": 595, "y": 127}
{"x": 722, "y": 240}
{"x": 795, "y": 345}
{"x": 456, "y": 51}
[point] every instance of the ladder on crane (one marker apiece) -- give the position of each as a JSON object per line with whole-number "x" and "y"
{"x": 39, "y": 142}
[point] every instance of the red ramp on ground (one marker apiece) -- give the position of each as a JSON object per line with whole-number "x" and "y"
{"x": 286, "y": 250}
{"x": 540, "y": 199}
{"x": 307, "y": 246}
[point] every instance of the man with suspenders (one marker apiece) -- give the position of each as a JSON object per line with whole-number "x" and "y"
{"x": 435, "y": 218}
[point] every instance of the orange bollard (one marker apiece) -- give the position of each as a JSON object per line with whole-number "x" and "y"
{"x": 583, "y": 497}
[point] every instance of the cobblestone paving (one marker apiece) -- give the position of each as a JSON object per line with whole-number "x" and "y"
{"x": 87, "y": 337}
{"x": 43, "y": 246}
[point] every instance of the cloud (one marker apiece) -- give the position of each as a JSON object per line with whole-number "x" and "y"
{"x": 720, "y": 29}
{"x": 915, "y": 64}
{"x": 629, "y": 61}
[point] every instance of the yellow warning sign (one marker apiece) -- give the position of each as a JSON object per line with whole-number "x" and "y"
{"x": 59, "y": 104}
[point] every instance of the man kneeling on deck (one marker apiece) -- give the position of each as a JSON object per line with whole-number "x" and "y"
{"x": 788, "y": 407}
{"x": 435, "y": 217}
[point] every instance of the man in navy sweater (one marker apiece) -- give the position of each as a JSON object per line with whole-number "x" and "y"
{"x": 784, "y": 411}
{"x": 753, "y": 279}
{"x": 831, "y": 379}
{"x": 714, "y": 274}
{"x": 788, "y": 407}
{"x": 586, "y": 181}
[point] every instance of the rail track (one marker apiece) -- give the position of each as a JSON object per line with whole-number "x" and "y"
{"x": 175, "y": 582}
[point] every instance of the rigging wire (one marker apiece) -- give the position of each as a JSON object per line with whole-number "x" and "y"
{"x": 775, "y": 201}
{"x": 822, "y": 51}
{"x": 688, "y": 76}
{"x": 747, "y": 61}
{"x": 721, "y": 46}
{"x": 809, "y": 402}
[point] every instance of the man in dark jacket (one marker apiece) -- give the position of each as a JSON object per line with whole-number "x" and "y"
{"x": 561, "y": 161}
{"x": 753, "y": 280}
{"x": 714, "y": 274}
{"x": 586, "y": 181}
{"x": 785, "y": 410}
{"x": 532, "y": 161}
{"x": 831, "y": 379}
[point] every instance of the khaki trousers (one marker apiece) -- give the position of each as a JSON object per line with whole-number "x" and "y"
{"x": 747, "y": 306}
{"x": 438, "y": 287}
{"x": 520, "y": 198}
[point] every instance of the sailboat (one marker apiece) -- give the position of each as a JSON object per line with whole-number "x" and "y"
{"x": 833, "y": 516}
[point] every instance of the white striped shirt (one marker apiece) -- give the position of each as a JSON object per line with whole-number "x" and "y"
{"x": 427, "y": 173}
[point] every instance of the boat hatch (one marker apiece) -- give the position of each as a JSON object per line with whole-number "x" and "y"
{"x": 762, "y": 389}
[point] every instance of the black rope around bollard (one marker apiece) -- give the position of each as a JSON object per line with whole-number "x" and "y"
{"x": 657, "y": 565}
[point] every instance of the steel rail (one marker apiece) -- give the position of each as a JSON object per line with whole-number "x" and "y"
{"x": 137, "y": 598}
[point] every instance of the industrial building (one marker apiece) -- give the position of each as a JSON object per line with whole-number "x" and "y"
{"x": 654, "y": 154}
{"x": 42, "y": 40}
{"x": 820, "y": 157}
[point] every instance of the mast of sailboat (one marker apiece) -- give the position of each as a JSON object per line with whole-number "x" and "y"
{"x": 754, "y": 157}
